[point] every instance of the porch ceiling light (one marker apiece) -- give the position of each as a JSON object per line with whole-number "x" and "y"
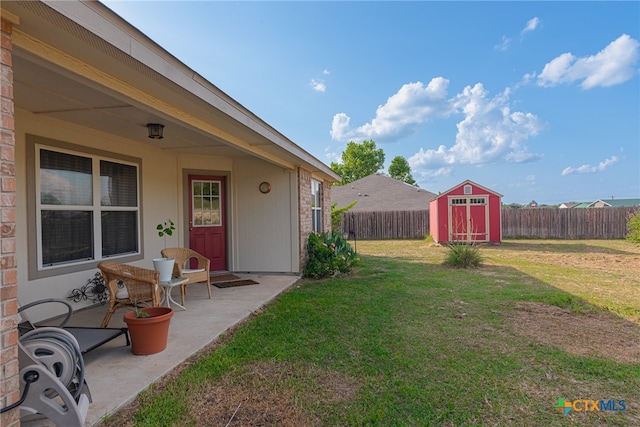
{"x": 155, "y": 130}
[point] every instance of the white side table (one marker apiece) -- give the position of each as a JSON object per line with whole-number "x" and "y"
{"x": 166, "y": 291}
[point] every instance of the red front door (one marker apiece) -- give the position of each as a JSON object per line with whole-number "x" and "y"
{"x": 207, "y": 219}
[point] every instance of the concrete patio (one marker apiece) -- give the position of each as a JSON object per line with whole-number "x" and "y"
{"x": 115, "y": 376}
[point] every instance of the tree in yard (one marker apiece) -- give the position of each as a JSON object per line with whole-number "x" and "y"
{"x": 400, "y": 170}
{"x": 633, "y": 227}
{"x": 358, "y": 161}
{"x": 336, "y": 214}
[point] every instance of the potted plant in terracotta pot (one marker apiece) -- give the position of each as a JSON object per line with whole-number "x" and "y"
{"x": 148, "y": 329}
{"x": 164, "y": 265}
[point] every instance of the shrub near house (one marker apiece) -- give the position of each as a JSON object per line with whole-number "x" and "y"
{"x": 328, "y": 253}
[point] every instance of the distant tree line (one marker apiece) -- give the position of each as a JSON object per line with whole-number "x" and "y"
{"x": 530, "y": 205}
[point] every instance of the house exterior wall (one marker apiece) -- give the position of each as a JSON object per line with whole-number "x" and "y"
{"x": 265, "y": 231}
{"x": 9, "y": 374}
{"x": 304, "y": 213}
{"x": 262, "y": 234}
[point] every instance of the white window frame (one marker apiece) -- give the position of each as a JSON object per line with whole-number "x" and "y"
{"x": 316, "y": 206}
{"x": 96, "y": 207}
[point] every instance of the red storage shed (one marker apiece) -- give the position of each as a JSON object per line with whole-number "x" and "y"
{"x": 467, "y": 212}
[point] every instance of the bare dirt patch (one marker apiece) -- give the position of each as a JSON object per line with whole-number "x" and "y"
{"x": 600, "y": 335}
{"x": 264, "y": 394}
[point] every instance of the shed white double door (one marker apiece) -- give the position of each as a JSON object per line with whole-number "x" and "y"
{"x": 468, "y": 218}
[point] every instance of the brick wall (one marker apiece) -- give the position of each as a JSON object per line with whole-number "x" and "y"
{"x": 9, "y": 374}
{"x": 326, "y": 206}
{"x": 304, "y": 212}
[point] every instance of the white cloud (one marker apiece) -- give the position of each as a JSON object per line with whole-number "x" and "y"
{"x": 326, "y": 72}
{"x": 532, "y": 24}
{"x": 590, "y": 169}
{"x": 318, "y": 85}
{"x": 411, "y": 106}
{"x": 340, "y": 126}
{"x": 490, "y": 132}
{"x": 429, "y": 175}
{"x": 504, "y": 44}
{"x": 613, "y": 65}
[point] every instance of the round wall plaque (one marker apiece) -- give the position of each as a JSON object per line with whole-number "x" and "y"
{"x": 265, "y": 187}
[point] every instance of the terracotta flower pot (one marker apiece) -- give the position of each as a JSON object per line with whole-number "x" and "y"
{"x": 149, "y": 334}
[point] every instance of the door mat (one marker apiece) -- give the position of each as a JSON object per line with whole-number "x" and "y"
{"x": 223, "y": 277}
{"x": 231, "y": 283}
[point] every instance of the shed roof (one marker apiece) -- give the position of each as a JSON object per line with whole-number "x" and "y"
{"x": 468, "y": 181}
{"x": 380, "y": 192}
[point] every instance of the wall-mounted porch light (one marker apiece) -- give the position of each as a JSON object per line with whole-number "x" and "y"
{"x": 155, "y": 130}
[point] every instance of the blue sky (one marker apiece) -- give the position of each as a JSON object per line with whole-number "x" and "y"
{"x": 535, "y": 100}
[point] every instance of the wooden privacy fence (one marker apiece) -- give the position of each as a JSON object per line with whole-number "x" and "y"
{"x": 386, "y": 224}
{"x": 589, "y": 223}
{"x": 546, "y": 223}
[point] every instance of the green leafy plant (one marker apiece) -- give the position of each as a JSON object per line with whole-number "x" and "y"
{"x": 336, "y": 214}
{"x": 633, "y": 227}
{"x": 139, "y": 313}
{"x": 328, "y": 253}
{"x": 165, "y": 229}
{"x": 462, "y": 255}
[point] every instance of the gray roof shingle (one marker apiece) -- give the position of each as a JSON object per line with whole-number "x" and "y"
{"x": 379, "y": 192}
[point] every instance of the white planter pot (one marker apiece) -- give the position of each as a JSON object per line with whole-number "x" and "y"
{"x": 164, "y": 266}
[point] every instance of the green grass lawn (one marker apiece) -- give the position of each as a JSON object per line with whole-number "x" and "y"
{"x": 405, "y": 341}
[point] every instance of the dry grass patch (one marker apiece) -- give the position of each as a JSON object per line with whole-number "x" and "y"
{"x": 601, "y": 334}
{"x": 261, "y": 394}
{"x": 264, "y": 395}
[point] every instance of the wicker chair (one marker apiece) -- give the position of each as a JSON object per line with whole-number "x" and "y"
{"x": 181, "y": 268}
{"x": 141, "y": 287}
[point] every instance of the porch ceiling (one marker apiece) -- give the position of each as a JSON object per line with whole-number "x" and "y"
{"x": 43, "y": 90}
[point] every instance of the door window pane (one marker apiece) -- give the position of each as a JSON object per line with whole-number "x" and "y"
{"x": 206, "y": 203}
